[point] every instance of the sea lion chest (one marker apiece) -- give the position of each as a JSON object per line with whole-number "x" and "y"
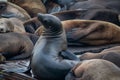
{"x": 46, "y": 58}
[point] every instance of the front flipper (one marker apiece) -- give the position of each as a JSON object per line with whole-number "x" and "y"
{"x": 20, "y": 57}
{"x": 68, "y": 55}
{"x": 8, "y": 15}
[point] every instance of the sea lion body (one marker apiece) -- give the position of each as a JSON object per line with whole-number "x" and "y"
{"x": 15, "y": 46}
{"x": 90, "y": 32}
{"x": 95, "y": 69}
{"x": 31, "y": 6}
{"x": 46, "y": 61}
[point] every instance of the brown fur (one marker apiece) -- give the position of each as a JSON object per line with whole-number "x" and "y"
{"x": 31, "y": 6}
{"x": 112, "y": 5}
{"x": 15, "y": 46}
{"x": 91, "y": 32}
{"x": 111, "y": 54}
{"x": 95, "y": 69}
{"x": 11, "y": 10}
{"x": 90, "y": 55}
{"x": 11, "y": 25}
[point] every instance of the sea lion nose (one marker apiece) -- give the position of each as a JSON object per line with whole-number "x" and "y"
{"x": 1, "y": 29}
{"x": 40, "y": 16}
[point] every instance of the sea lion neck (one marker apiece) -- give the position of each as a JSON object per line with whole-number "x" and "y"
{"x": 50, "y": 33}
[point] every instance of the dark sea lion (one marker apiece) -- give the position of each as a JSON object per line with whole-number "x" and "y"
{"x": 65, "y": 4}
{"x": 14, "y": 46}
{"x": 50, "y": 59}
{"x": 107, "y": 15}
{"x": 70, "y": 14}
{"x": 95, "y": 69}
{"x": 31, "y": 25}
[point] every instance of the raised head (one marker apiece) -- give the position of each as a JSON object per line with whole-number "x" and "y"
{"x": 51, "y": 23}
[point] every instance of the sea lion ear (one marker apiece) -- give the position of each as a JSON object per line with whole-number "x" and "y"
{"x": 10, "y": 25}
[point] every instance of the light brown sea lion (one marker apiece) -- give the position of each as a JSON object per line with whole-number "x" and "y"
{"x": 6, "y": 25}
{"x": 95, "y": 69}
{"x": 50, "y": 59}
{"x": 90, "y": 32}
{"x": 11, "y": 25}
{"x": 9, "y": 10}
{"x": 111, "y": 54}
{"x": 15, "y": 46}
{"x": 31, "y": 6}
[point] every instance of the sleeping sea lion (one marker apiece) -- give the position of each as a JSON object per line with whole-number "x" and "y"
{"x": 95, "y": 69}
{"x": 11, "y": 25}
{"x": 90, "y": 32}
{"x": 111, "y": 54}
{"x": 14, "y": 46}
{"x": 31, "y": 6}
{"x": 50, "y": 59}
{"x": 8, "y": 10}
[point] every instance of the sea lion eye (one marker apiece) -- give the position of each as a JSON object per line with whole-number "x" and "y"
{"x": 45, "y": 21}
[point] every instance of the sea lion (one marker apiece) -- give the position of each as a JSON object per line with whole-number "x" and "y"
{"x": 31, "y": 6}
{"x": 9, "y": 10}
{"x": 11, "y": 25}
{"x": 6, "y": 25}
{"x": 14, "y": 46}
{"x": 65, "y": 4}
{"x": 52, "y": 7}
{"x": 70, "y": 14}
{"x": 50, "y": 59}
{"x": 111, "y": 54}
{"x": 107, "y": 15}
{"x": 95, "y": 69}
{"x": 90, "y": 32}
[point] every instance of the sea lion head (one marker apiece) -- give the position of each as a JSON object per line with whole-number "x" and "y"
{"x": 6, "y": 25}
{"x": 51, "y": 23}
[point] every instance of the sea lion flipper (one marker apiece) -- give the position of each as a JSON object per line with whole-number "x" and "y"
{"x": 68, "y": 55}
{"x": 21, "y": 56}
{"x": 7, "y": 15}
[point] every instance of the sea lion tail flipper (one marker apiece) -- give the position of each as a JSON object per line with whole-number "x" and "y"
{"x": 68, "y": 55}
{"x": 28, "y": 69}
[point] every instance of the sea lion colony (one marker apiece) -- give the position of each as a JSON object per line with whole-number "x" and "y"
{"x": 44, "y": 30}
